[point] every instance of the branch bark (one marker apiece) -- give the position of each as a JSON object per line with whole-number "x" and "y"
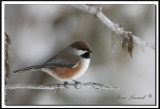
{"x": 118, "y": 30}
{"x": 62, "y": 86}
{"x": 7, "y": 46}
{"x": 7, "y": 67}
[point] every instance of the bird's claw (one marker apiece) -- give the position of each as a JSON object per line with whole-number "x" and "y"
{"x": 65, "y": 84}
{"x": 76, "y": 84}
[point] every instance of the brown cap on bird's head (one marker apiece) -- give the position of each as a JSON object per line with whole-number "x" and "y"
{"x": 81, "y": 45}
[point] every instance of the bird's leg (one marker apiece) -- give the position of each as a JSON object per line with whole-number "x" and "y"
{"x": 76, "y": 84}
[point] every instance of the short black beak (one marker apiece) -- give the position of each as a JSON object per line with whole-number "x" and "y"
{"x": 90, "y": 51}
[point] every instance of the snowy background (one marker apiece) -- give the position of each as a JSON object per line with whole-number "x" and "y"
{"x": 39, "y": 32}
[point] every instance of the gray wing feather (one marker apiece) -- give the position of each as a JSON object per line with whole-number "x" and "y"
{"x": 63, "y": 59}
{"x": 58, "y": 62}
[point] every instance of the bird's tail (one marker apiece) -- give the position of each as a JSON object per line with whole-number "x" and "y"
{"x": 31, "y": 68}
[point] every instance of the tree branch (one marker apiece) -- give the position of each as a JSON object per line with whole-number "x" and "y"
{"x": 119, "y": 32}
{"x": 62, "y": 86}
{"x": 7, "y": 45}
{"x": 7, "y": 67}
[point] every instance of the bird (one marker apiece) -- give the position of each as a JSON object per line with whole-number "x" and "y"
{"x": 69, "y": 64}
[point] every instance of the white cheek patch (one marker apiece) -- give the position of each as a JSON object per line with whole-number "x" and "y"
{"x": 80, "y": 52}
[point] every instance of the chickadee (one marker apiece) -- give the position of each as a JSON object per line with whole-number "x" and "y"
{"x": 69, "y": 64}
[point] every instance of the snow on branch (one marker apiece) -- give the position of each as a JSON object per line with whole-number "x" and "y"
{"x": 127, "y": 39}
{"x": 62, "y": 86}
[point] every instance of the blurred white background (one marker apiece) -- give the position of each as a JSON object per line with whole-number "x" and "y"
{"x": 38, "y": 32}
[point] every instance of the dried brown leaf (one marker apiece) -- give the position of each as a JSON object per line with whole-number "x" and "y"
{"x": 128, "y": 43}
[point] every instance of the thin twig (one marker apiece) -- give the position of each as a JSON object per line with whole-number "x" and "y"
{"x": 62, "y": 86}
{"x": 118, "y": 30}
